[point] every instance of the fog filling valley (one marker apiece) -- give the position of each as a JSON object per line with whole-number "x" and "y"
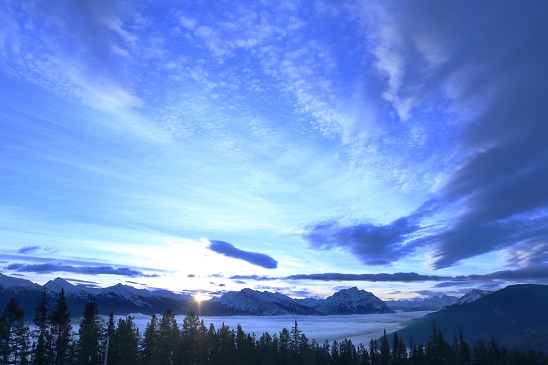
{"x": 359, "y": 328}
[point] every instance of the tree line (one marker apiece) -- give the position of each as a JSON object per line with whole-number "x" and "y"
{"x": 52, "y": 341}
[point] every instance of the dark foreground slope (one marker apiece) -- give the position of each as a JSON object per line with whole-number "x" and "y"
{"x": 517, "y": 316}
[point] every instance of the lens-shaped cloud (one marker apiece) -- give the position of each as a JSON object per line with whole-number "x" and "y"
{"x": 254, "y": 258}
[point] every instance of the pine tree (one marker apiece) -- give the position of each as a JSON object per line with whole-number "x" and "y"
{"x": 202, "y": 340}
{"x": 464, "y": 350}
{"x": 363, "y": 355}
{"x": 295, "y": 344}
{"x": 399, "y": 351}
{"x": 91, "y": 339}
{"x": 61, "y": 330}
{"x": 149, "y": 349}
{"x": 265, "y": 349}
{"x": 190, "y": 337}
{"x": 124, "y": 343}
{"x": 384, "y": 358}
{"x": 212, "y": 346}
{"x": 306, "y": 354}
{"x": 4, "y": 340}
{"x": 325, "y": 355}
{"x": 227, "y": 345}
{"x": 168, "y": 338}
{"x": 241, "y": 345}
{"x": 111, "y": 324}
{"x": 283, "y": 346}
{"x": 111, "y": 328}
{"x": 14, "y": 335}
{"x": 347, "y": 352}
{"x": 42, "y": 333}
{"x": 373, "y": 352}
{"x": 335, "y": 354}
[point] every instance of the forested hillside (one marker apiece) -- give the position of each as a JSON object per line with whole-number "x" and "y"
{"x": 516, "y": 315}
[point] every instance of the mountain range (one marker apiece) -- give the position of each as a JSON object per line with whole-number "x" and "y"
{"x": 434, "y": 303}
{"x": 124, "y": 299}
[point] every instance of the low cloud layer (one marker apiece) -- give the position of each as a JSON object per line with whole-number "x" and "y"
{"x": 254, "y": 258}
{"x": 84, "y": 270}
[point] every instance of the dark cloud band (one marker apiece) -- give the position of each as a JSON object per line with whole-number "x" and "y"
{"x": 536, "y": 273}
{"x": 84, "y": 270}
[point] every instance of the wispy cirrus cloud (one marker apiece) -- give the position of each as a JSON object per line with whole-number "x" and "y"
{"x": 494, "y": 198}
{"x": 34, "y": 249}
{"x": 28, "y": 249}
{"x": 254, "y": 258}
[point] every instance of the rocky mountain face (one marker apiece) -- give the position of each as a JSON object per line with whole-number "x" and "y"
{"x": 264, "y": 303}
{"x": 350, "y": 301}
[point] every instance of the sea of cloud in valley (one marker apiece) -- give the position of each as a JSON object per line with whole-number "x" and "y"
{"x": 359, "y": 328}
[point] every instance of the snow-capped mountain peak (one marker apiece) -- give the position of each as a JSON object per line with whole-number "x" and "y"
{"x": 127, "y": 292}
{"x": 262, "y": 303}
{"x": 474, "y": 295}
{"x": 57, "y": 284}
{"x": 352, "y": 300}
{"x": 8, "y": 282}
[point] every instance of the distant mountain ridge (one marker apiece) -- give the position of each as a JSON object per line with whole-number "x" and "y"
{"x": 470, "y": 297}
{"x": 124, "y": 299}
{"x": 435, "y": 303}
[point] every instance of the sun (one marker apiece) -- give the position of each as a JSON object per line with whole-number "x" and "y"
{"x": 200, "y": 297}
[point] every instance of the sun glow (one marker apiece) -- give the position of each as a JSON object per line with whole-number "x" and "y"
{"x": 200, "y": 297}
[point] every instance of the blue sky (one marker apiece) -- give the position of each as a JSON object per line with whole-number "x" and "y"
{"x": 295, "y": 146}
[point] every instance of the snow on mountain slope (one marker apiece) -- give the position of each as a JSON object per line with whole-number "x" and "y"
{"x": 58, "y": 284}
{"x": 310, "y": 302}
{"x": 163, "y": 293}
{"x": 472, "y": 296}
{"x": 435, "y": 303}
{"x": 15, "y": 284}
{"x": 352, "y": 301}
{"x": 262, "y": 303}
{"x": 136, "y": 296}
{"x": 120, "y": 292}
